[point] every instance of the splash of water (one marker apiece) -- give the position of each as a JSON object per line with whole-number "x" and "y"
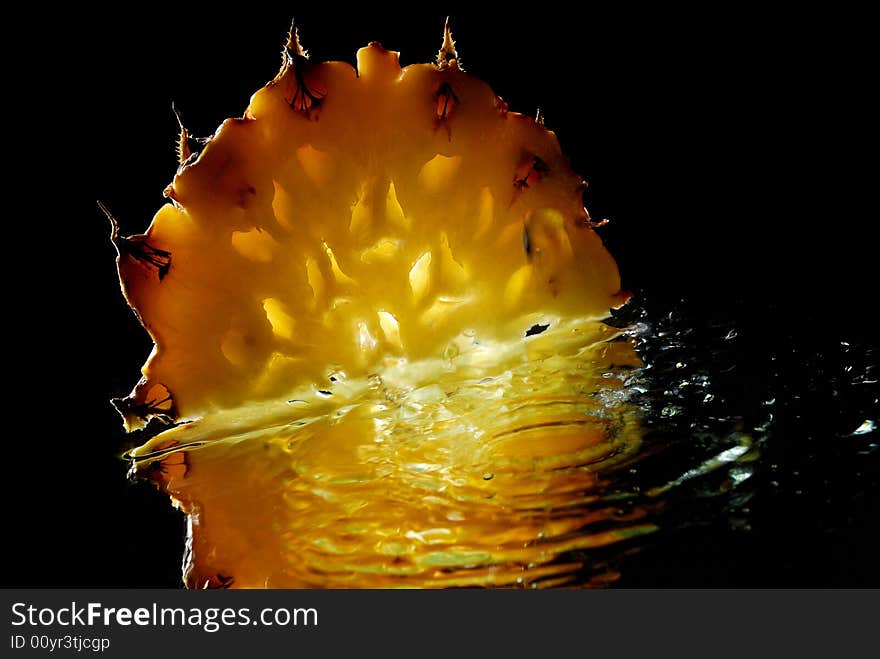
{"x": 545, "y": 473}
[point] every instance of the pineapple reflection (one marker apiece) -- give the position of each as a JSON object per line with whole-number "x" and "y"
{"x": 416, "y": 481}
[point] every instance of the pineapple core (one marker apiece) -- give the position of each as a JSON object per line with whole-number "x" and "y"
{"x": 376, "y": 302}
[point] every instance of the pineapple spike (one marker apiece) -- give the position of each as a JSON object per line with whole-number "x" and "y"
{"x": 295, "y": 59}
{"x": 292, "y": 50}
{"x": 114, "y": 225}
{"x": 137, "y": 247}
{"x": 447, "y": 50}
{"x": 293, "y": 47}
{"x": 183, "y": 150}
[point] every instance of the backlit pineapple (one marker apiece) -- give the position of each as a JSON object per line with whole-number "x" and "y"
{"x": 376, "y": 302}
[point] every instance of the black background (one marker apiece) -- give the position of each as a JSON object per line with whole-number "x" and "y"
{"x": 727, "y": 146}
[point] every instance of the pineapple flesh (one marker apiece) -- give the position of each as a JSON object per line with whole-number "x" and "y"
{"x": 376, "y": 301}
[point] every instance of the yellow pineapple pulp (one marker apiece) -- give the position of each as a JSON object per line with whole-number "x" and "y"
{"x": 376, "y": 302}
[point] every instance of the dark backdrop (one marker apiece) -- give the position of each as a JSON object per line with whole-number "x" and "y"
{"x": 726, "y": 146}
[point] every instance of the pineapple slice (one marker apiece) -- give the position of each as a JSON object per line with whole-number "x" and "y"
{"x": 376, "y": 302}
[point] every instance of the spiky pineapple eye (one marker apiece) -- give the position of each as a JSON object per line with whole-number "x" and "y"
{"x": 401, "y": 227}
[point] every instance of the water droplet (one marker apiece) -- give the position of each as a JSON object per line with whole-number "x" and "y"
{"x": 488, "y": 476}
{"x": 739, "y": 474}
{"x": 868, "y": 425}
